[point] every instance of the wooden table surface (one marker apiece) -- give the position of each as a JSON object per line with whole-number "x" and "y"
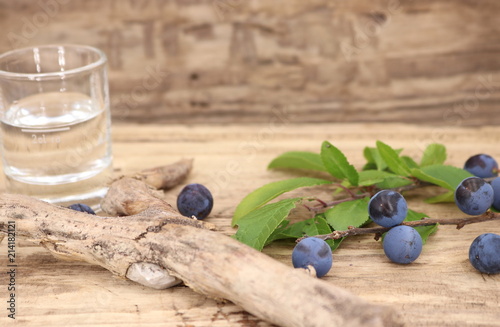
{"x": 439, "y": 289}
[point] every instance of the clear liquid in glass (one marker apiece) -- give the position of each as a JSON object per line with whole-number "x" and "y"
{"x": 57, "y": 147}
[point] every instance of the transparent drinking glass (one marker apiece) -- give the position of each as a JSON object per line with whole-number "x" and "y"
{"x": 55, "y": 123}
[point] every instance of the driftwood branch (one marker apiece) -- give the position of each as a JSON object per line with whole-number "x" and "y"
{"x": 208, "y": 262}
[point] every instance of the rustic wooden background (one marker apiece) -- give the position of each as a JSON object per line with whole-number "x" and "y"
{"x": 218, "y": 61}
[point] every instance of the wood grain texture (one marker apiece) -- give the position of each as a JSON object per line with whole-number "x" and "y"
{"x": 218, "y": 61}
{"x": 439, "y": 289}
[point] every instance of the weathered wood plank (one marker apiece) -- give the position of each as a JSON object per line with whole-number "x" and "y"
{"x": 219, "y": 61}
{"x": 439, "y": 289}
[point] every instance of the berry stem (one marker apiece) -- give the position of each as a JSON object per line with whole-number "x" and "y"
{"x": 327, "y": 205}
{"x": 459, "y": 222}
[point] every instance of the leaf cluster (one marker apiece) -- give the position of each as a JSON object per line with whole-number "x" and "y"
{"x": 261, "y": 220}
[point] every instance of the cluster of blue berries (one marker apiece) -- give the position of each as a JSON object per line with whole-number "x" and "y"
{"x": 475, "y": 196}
{"x": 402, "y": 244}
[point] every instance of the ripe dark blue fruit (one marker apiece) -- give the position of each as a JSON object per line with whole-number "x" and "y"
{"x": 387, "y": 208}
{"x": 315, "y": 252}
{"x": 82, "y": 207}
{"x": 402, "y": 244}
{"x": 484, "y": 253}
{"x": 495, "y": 184}
{"x": 474, "y": 196}
{"x": 195, "y": 200}
{"x": 482, "y": 165}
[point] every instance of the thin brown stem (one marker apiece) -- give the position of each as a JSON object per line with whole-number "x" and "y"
{"x": 327, "y": 205}
{"x": 459, "y": 222}
{"x": 346, "y": 189}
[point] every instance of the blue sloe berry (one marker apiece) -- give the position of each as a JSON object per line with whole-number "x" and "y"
{"x": 402, "y": 244}
{"x": 387, "y": 208}
{"x": 495, "y": 184}
{"x": 315, "y": 252}
{"x": 82, "y": 208}
{"x": 474, "y": 196}
{"x": 484, "y": 253}
{"x": 195, "y": 200}
{"x": 482, "y": 165}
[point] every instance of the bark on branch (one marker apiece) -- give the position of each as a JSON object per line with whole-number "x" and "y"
{"x": 208, "y": 262}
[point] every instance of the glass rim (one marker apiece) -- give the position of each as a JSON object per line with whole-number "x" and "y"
{"x": 101, "y": 60}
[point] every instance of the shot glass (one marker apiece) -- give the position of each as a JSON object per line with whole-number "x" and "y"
{"x": 55, "y": 123}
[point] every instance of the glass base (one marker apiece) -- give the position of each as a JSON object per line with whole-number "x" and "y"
{"x": 89, "y": 191}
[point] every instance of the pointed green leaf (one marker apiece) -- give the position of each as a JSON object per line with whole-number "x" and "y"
{"x": 316, "y": 226}
{"x": 270, "y": 191}
{"x": 382, "y": 179}
{"x": 415, "y": 215}
{"x": 426, "y": 231}
{"x": 370, "y": 166}
{"x": 372, "y": 177}
{"x": 257, "y": 226}
{"x": 409, "y": 162}
{"x": 392, "y": 159}
{"x": 368, "y": 155}
{"x": 337, "y": 165}
{"x": 310, "y": 227}
{"x": 434, "y": 154}
{"x": 442, "y": 175}
{"x": 394, "y": 182}
{"x": 372, "y": 155}
{"x": 421, "y": 175}
{"x": 451, "y": 175}
{"x": 350, "y": 213}
{"x": 374, "y": 159}
{"x": 298, "y": 160}
{"x": 285, "y": 231}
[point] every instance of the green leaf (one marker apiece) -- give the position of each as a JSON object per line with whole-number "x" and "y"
{"x": 434, "y": 154}
{"x": 298, "y": 160}
{"x": 382, "y": 179}
{"x": 266, "y": 193}
{"x": 337, "y": 165}
{"x": 350, "y": 213}
{"x": 316, "y": 226}
{"x": 442, "y": 175}
{"x": 257, "y": 226}
{"x": 310, "y": 227}
{"x": 409, "y": 162}
{"x": 367, "y": 153}
{"x": 424, "y": 231}
{"x": 441, "y": 198}
{"x": 421, "y": 175}
{"x": 414, "y": 215}
{"x": 372, "y": 155}
{"x": 372, "y": 177}
{"x": 392, "y": 159}
{"x": 451, "y": 175}
{"x": 394, "y": 182}
{"x": 280, "y": 233}
{"x": 370, "y": 166}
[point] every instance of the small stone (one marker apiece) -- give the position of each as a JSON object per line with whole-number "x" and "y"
{"x": 151, "y": 275}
